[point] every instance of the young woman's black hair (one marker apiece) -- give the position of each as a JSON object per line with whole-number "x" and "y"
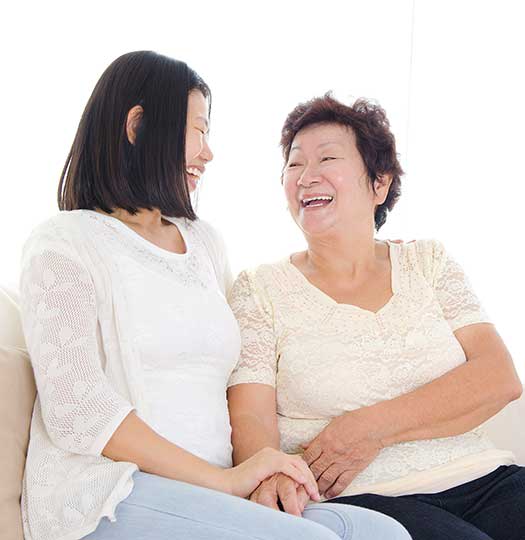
{"x": 103, "y": 169}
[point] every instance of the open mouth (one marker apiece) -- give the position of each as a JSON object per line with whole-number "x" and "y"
{"x": 316, "y": 202}
{"x": 194, "y": 174}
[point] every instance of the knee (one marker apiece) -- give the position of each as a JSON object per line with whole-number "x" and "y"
{"x": 397, "y": 531}
{"x": 330, "y": 518}
{"x": 355, "y": 523}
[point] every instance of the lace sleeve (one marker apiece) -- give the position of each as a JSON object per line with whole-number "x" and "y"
{"x": 460, "y": 305}
{"x": 59, "y": 315}
{"x": 257, "y": 363}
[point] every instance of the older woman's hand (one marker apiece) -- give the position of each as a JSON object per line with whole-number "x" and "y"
{"x": 279, "y": 487}
{"x": 347, "y": 445}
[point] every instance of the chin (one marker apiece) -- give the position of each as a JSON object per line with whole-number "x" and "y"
{"x": 315, "y": 227}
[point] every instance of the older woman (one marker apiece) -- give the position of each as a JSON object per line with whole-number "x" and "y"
{"x": 375, "y": 358}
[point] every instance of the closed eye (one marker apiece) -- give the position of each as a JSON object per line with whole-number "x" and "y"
{"x": 326, "y": 158}
{"x": 293, "y": 164}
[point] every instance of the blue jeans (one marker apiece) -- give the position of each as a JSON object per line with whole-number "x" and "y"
{"x": 489, "y": 508}
{"x": 163, "y": 509}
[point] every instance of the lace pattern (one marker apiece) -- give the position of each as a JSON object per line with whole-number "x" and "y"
{"x": 188, "y": 270}
{"x": 326, "y": 358}
{"x": 77, "y": 329}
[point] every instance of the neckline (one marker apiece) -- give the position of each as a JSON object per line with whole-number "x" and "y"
{"x": 393, "y": 249}
{"x": 178, "y": 222}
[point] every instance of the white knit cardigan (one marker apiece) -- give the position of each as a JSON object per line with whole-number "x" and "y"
{"x": 87, "y": 371}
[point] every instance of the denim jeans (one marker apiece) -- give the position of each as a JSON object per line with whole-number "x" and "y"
{"x": 163, "y": 509}
{"x": 489, "y": 508}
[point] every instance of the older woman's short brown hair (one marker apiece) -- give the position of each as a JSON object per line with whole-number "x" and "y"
{"x": 375, "y": 142}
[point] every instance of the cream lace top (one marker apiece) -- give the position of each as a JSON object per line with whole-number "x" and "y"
{"x": 108, "y": 318}
{"x": 326, "y": 358}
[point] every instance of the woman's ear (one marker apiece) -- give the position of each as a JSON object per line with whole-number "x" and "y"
{"x": 132, "y": 122}
{"x": 382, "y": 187}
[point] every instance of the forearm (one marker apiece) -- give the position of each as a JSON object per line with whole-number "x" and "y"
{"x": 452, "y": 404}
{"x": 253, "y": 418}
{"x": 134, "y": 441}
{"x": 250, "y": 434}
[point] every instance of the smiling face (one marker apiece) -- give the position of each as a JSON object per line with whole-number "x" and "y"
{"x": 326, "y": 183}
{"x": 198, "y": 152}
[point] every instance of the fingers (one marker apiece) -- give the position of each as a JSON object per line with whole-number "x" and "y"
{"x": 268, "y": 498}
{"x": 319, "y": 466}
{"x": 292, "y": 466}
{"x": 311, "y": 484}
{"x": 287, "y": 491}
{"x": 302, "y": 497}
{"x": 330, "y": 476}
{"x": 266, "y": 494}
{"x": 298, "y": 471}
{"x": 293, "y": 471}
{"x": 312, "y": 453}
{"x": 341, "y": 484}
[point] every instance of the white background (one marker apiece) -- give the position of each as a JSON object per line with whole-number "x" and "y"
{"x": 449, "y": 74}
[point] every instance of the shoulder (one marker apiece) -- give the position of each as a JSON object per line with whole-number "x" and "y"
{"x": 264, "y": 281}
{"x": 52, "y": 229}
{"x": 425, "y": 256}
{"x": 211, "y": 238}
{"x": 266, "y": 275}
{"x": 55, "y": 232}
{"x": 215, "y": 246}
{"x": 425, "y": 249}
{"x": 62, "y": 221}
{"x": 207, "y": 231}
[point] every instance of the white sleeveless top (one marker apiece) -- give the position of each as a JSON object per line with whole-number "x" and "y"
{"x": 325, "y": 359}
{"x": 114, "y": 323}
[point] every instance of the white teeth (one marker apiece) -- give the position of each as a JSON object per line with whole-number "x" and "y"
{"x": 194, "y": 171}
{"x": 321, "y": 198}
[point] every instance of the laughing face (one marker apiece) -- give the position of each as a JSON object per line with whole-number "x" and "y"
{"x": 198, "y": 152}
{"x": 326, "y": 184}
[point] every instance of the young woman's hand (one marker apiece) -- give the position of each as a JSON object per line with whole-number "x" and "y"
{"x": 246, "y": 477}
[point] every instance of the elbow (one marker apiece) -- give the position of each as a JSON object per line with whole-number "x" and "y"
{"x": 516, "y": 391}
{"x": 512, "y": 387}
{"x": 79, "y": 435}
{"x": 69, "y": 445}
{"x": 512, "y": 390}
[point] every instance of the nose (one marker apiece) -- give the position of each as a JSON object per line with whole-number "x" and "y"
{"x": 308, "y": 178}
{"x": 206, "y": 153}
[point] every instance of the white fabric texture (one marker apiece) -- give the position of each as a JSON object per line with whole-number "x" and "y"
{"x": 325, "y": 359}
{"x": 96, "y": 327}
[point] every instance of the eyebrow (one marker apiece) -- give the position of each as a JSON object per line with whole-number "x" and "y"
{"x": 322, "y": 145}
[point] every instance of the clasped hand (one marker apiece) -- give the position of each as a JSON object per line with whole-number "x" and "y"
{"x": 346, "y": 446}
{"x": 336, "y": 456}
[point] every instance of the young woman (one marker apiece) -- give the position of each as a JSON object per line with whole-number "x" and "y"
{"x": 132, "y": 341}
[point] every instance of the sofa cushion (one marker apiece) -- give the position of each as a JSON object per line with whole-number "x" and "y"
{"x": 17, "y": 396}
{"x": 11, "y": 333}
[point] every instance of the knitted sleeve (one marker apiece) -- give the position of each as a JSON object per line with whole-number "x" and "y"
{"x": 58, "y": 303}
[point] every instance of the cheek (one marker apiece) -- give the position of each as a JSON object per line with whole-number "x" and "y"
{"x": 193, "y": 147}
{"x": 290, "y": 192}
